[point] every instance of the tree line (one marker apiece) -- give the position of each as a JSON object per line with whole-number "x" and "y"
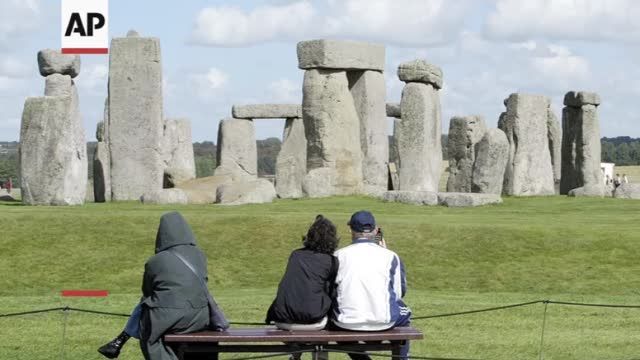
{"x": 622, "y": 151}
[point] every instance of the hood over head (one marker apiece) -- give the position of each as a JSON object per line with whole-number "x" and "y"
{"x": 173, "y": 231}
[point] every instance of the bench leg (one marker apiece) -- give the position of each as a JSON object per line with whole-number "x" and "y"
{"x": 320, "y": 355}
{"x": 396, "y": 351}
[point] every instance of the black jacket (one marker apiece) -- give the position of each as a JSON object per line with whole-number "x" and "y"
{"x": 306, "y": 289}
{"x": 167, "y": 282}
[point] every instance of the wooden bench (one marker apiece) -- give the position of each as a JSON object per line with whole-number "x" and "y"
{"x": 272, "y": 340}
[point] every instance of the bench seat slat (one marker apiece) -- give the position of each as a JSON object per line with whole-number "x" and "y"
{"x": 271, "y": 334}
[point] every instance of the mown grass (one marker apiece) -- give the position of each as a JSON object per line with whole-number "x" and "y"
{"x": 457, "y": 259}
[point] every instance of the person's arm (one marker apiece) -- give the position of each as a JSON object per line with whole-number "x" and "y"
{"x": 403, "y": 277}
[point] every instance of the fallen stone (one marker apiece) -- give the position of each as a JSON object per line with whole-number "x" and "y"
{"x": 529, "y": 171}
{"x": 5, "y": 196}
{"x": 411, "y": 197}
{"x": 58, "y": 85}
{"x": 53, "y": 161}
{"x": 491, "y": 156}
{"x": 420, "y": 71}
{"x": 337, "y": 54}
{"x": 179, "y": 159}
{"x": 368, "y": 90}
{"x": 627, "y": 191}
{"x": 53, "y": 62}
{"x": 332, "y": 130}
{"x": 165, "y": 196}
{"x": 266, "y": 111}
{"x": 467, "y": 199}
{"x": 464, "y": 133}
{"x": 418, "y": 138}
{"x": 249, "y": 191}
{"x": 579, "y": 98}
{"x": 136, "y": 121}
{"x": 291, "y": 164}
{"x": 587, "y": 191}
{"x": 237, "y": 154}
{"x": 393, "y": 110}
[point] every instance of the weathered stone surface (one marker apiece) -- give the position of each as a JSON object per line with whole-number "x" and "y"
{"x": 411, "y": 197}
{"x": 420, "y": 71}
{"x": 554, "y": 133}
{"x": 529, "y": 171}
{"x": 100, "y": 131}
{"x": 248, "y": 191}
{"x": 179, "y": 159}
{"x": 58, "y": 85}
{"x": 418, "y": 137}
{"x": 491, "y": 156}
{"x": 332, "y": 129}
{"x": 135, "y": 120}
{"x": 203, "y": 190}
{"x": 101, "y": 174}
{"x": 591, "y": 191}
{"x": 579, "y": 98}
{"x": 464, "y": 133}
{"x": 580, "y": 147}
{"x": 627, "y": 191}
{"x": 53, "y": 155}
{"x": 237, "y": 154}
{"x": 132, "y": 33}
{"x": 368, "y": 90}
{"x": 5, "y": 196}
{"x": 266, "y": 111}
{"x": 393, "y": 110}
{"x": 53, "y": 62}
{"x": 452, "y": 199}
{"x": 165, "y": 196}
{"x": 339, "y": 54}
{"x": 291, "y": 164}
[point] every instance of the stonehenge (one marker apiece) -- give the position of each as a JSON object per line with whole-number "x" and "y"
{"x": 491, "y": 156}
{"x": 464, "y": 134}
{"x": 135, "y": 123}
{"x": 581, "y": 144}
{"x": 179, "y": 162}
{"x": 419, "y": 131}
{"x": 529, "y": 171}
{"x": 52, "y": 151}
{"x": 237, "y": 154}
{"x": 101, "y": 166}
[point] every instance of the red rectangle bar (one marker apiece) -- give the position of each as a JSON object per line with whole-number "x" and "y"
{"x": 85, "y": 50}
{"x": 85, "y": 293}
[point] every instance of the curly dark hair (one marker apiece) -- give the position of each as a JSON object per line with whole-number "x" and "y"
{"x": 322, "y": 236}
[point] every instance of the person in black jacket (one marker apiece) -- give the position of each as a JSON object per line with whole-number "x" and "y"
{"x": 174, "y": 299}
{"x": 305, "y": 292}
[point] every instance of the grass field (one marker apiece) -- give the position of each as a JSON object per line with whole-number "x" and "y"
{"x": 556, "y": 248}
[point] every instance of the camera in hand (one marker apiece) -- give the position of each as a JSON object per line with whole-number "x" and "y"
{"x": 379, "y": 235}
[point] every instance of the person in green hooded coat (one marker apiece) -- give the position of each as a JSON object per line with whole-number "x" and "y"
{"x": 174, "y": 299}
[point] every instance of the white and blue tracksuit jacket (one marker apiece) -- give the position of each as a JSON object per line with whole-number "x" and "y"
{"x": 370, "y": 285}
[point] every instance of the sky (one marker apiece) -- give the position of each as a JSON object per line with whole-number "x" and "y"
{"x": 219, "y": 53}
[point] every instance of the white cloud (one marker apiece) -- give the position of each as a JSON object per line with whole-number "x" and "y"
{"x": 565, "y": 19}
{"x": 13, "y": 68}
{"x": 94, "y": 78}
{"x": 16, "y": 17}
{"x": 399, "y": 22}
{"x": 208, "y": 85}
{"x": 286, "y": 91}
{"x": 230, "y": 26}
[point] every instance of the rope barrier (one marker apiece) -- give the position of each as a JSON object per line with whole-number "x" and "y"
{"x": 593, "y": 305}
{"x": 31, "y": 312}
{"x": 477, "y": 311}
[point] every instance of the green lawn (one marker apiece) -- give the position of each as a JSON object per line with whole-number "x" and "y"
{"x": 569, "y": 249}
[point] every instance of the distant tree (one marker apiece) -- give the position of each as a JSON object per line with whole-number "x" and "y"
{"x": 268, "y": 150}
{"x": 205, "y": 165}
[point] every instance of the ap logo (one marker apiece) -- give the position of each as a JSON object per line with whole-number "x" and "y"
{"x": 84, "y": 26}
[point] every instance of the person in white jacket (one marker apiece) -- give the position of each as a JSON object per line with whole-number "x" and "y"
{"x": 370, "y": 283}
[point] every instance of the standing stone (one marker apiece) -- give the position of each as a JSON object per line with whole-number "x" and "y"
{"x": 53, "y": 162}
{"x": 332, "y": 129}
{"x": 53, "y": 62}
{"x": 237, "y": 154}
{"x": 291, "y": 164}
{"x": 555, "y": 146}
{"x": 340, "y": 54}
{"x": 58, "y": 85}
{"x": 135, "y": 117}
{"x": 581, "y": 143}
{"x": 418, "y": 135}
{"x": 464, "y": 133}
{"x": 178, "y": 147}
{"x": 393, "y": 110}
{"x": 369, "y": 92}
{"x": 529, "y": 171}
{"x": 492, "y": 154}
{"x": 101, "y": 167}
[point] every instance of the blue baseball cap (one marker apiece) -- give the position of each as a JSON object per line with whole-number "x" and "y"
{"x": 362, "y": 221}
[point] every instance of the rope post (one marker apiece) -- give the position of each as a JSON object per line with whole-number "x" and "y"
{"x": 544, "y": 325}
{"x": 65, "y": 317}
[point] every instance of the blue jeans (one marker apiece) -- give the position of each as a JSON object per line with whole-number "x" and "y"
{"x": 133, "y": 324}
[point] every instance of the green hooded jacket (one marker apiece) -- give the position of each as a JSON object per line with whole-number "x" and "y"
{"x": 167, "y": 282}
